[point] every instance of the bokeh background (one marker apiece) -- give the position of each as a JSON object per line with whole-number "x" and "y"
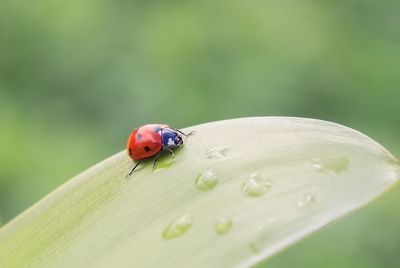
{"x": 77, "y": 76}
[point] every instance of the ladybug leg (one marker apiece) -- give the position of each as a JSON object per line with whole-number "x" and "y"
{"x": 185, "y": 134}
{"x": 156, "y": 159}
{"x": 130, "y": 173}
{"x": 171, "y": 152}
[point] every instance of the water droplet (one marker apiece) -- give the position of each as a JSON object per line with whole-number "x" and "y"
{"x": 260, "y": 242}
{"x": 177, "y": 227}
{"x": 217, "y": 152}
{"x": 330, "y": 165}
{"x": 164, "y": 163}
{"x": 223, "y": 225}
{"x": 306, "y": 202}
{"x": 255, "y": 185}
{"x": 206, "y": 180}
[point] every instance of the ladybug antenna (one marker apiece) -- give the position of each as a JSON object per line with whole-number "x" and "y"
{"x": 130, "y": 173}
{"x": 185, "y": 134}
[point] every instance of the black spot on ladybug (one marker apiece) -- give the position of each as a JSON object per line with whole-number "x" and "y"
{"x": 156, "y": 129}
{"x": 138, "y": 136}
{"x": 147, "y": 148}
{"x": 130, "y": 151}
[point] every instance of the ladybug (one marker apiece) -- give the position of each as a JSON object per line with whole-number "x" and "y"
{"x": 152, "y": 139}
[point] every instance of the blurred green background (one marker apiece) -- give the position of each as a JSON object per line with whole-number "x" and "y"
{"x": 77, "y": 76}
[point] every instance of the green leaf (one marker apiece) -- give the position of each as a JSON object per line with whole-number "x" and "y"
{"x": 238, "y": 192}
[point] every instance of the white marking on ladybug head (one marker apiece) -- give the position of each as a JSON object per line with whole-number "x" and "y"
{"x": 170, "y": 142}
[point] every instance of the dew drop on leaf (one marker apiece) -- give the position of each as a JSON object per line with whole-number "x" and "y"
{"x": 255, "y": 185}
{"x": 217, "y": 152}
{"x": 330, "y": 165}
{"x": 223, "y": 225}
{"x": 206, "y": 180}
{"x": 263, "y": 237}
{"x": 177, "y": 227}
{"x": 306, "y": 202}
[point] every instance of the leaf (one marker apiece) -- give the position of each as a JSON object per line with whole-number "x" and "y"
{"x": 238, "y": 192}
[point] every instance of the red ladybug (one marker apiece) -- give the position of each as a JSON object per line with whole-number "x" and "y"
{"x": 152, "y": 139}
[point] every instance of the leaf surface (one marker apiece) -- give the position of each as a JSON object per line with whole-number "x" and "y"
{"x": 238, "y": 192}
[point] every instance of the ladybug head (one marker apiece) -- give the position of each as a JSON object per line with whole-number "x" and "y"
{"x": 178, "y": 140}
{"x": 171, "y": 138}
